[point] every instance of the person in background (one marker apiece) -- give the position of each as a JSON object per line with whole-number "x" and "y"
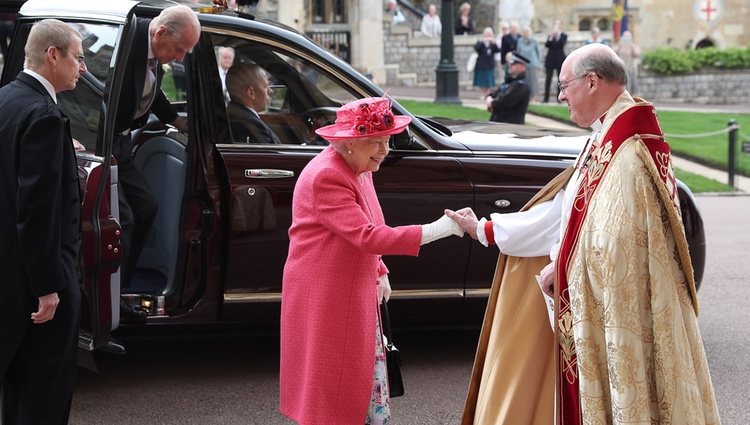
{"x": 249, "y": 93}
{"x": 630, "y": 53}
{"x": 168, "y": 37}
{"x": 392, "y": 8}
{"x": 504, "y": 30}
{"x": 464, "y": 24}
{"x": 484, "y": 70}
{"x": 508, "y": 44}
{"x": 528, "y": 48}
{"x": 511, "y": 100}
{"x": 332, "y": 366}
{"x": 596, "y": 37}
{"x": 40, "y": 209}
{"x": 225, "y": 59}
{"x": 604, "y": 240}
{"x": 431, "y": 26}
{"x": 555, "y": 55}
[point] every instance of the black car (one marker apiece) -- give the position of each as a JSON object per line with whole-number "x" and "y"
{"x": 218, "y": 245}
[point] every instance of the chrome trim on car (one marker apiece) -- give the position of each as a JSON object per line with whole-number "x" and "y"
{"x": 252, "y": 297}
{"x": 399, "y": 294}
{"x": 85, "y": 341}
{"x": 415, "y": 294}
{"x": 477, "y": 293}
{"x": 258, "y": 173}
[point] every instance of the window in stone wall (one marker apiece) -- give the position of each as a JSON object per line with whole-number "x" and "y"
{"x": 329, "y": 11}
{"x": 584, "y": 24}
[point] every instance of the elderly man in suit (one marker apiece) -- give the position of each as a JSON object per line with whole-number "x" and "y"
{"x": 166, "y": 38}
{"x": 40, "y": 300}
{"x": 249, "y": 92}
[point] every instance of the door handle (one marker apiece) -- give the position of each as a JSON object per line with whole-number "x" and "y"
{"x": 268, "y": 174}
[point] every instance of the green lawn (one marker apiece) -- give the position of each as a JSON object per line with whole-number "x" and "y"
{"x": 432, "y": 109}
{"x": 679, "y": 126}
{"x": 672, "y": 122}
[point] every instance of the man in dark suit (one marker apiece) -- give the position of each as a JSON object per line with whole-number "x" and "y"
{"x": 555, "y": 55}
{"x": 511, "y": 100}
{"x": 40, "y": 299}
{"x": 166, "y": 38}
{"x": 249, "y": 91}
{"x": 508, "y": 44}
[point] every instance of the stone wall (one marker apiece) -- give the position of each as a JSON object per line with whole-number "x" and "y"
{"x": 411, "y": 61}
{"x": 720, "y": 87}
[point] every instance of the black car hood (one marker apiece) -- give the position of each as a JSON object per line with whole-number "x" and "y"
{"x": 524, "y": 139}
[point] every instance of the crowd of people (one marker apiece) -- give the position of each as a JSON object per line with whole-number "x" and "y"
{"x": 488, "y": 76}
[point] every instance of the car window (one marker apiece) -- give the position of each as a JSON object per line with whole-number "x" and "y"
{"x": 303, "y": 96}
{"x": 173, "y": 83}
{"x": 83, "y": 104}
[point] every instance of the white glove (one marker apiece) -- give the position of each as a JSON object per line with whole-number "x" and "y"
{"x": 439, "y": 229}
{"x": 384, "y": 289}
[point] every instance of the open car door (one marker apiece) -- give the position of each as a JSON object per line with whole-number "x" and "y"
{"x": 92, "y": 126}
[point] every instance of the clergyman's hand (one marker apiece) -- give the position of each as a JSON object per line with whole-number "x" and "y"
{"x": 547, "y": 278}
{"x": 47, "y": 307}
{"x": 466, "y": 219}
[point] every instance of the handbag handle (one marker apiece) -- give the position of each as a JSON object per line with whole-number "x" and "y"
{"x": 386, "y": 321}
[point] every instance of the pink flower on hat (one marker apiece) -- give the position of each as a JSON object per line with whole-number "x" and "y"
{"x": 371, "y": 118}
{"x": 362, "y": 118}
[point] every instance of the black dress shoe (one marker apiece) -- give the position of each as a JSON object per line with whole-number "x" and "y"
{"x": 131, "y": 311}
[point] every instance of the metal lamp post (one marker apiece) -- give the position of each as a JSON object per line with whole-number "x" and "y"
{"x": 446, "y": 73}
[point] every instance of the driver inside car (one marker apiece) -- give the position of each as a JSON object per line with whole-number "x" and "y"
{"x": 249, "y": 92}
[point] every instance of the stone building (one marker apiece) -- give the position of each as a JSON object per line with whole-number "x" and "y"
{"x": 654, "y": 23}
{"x": 360, "y": 31}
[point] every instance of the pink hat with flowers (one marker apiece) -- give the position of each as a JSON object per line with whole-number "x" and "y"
{"x": 368, "y": 117}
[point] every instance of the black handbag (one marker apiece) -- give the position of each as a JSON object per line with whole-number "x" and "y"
{"x": 392, "y": 356}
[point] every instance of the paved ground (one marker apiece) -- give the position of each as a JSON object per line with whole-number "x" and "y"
{"x": 472, "y": 98}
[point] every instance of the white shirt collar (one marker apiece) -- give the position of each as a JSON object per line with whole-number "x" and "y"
{"x": 597, "y": 125}
{"x": 47, "y": 85}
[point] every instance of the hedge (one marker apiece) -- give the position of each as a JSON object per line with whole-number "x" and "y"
{"x": 673, "y": 61}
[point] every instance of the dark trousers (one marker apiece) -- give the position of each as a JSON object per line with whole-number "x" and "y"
{"x": 548, "y": 81}
{"x": 38, "y": 367}
{"x": 137, "y": 212}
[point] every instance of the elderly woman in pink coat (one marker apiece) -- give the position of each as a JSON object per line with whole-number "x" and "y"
{"x": 333, "y": 367}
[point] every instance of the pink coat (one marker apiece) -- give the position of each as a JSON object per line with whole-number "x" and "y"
{"x": 329, "y": 293}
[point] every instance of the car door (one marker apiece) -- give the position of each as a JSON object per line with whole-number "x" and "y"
{"x": 100, "y": 253}
{"x": 414, "y": 185}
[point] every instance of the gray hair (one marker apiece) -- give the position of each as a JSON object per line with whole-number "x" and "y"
{"x": 44, "y": 34}
{"x": 605, "y": 63}
{"x": 175, "y": 19}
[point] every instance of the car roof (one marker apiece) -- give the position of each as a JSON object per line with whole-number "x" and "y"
{"x": 117, "y": 10}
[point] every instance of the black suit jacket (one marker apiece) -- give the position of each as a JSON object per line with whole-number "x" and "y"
{"x": 39, "y": 202}
{"x": 132, "y": 92}
{"x": 555, "y": 51}
{"x": 509, "y": 44}
{"x": 246, "y": 127}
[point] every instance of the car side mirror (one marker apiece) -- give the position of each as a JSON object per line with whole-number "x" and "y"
{"x": 405, "y": 141}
